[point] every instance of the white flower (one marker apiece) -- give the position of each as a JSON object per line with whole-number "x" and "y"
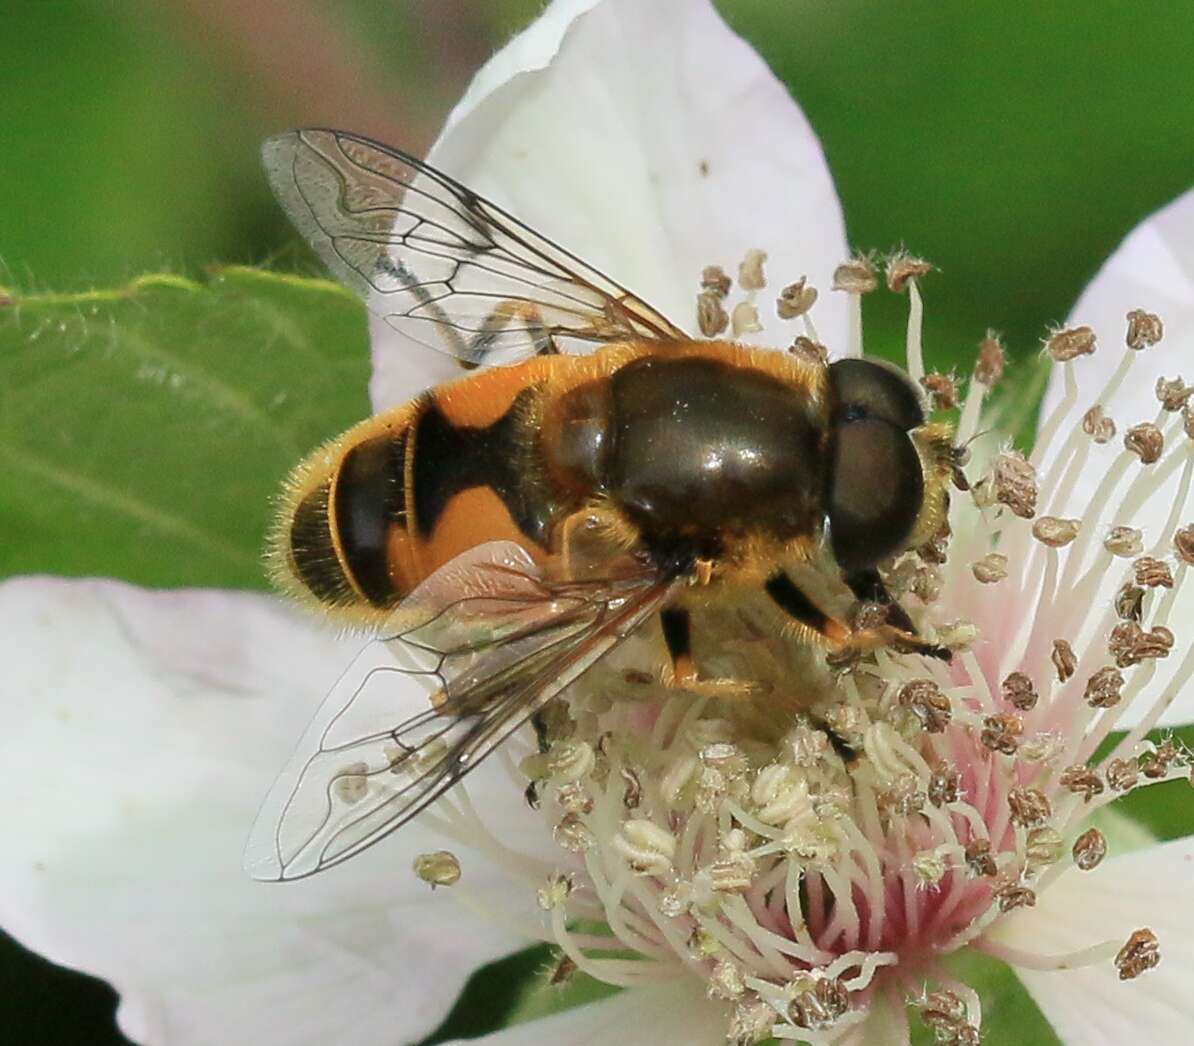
{"x": 769, "y": 886}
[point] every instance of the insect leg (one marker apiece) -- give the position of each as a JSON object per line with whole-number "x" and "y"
{"x": 500, "y": 319}
{"x": 792, "y": 601}
{"x": 799, "y": 607}
{"x": 868, "y": 586}
{"x": 677, "y": 634}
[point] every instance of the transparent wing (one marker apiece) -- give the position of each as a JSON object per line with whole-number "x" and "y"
{"x": 493, "y": 641}
{"x": 439, "y": 263}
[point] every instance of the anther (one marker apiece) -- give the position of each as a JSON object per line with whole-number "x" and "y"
{"x": 935, "y": 550}
{"x": 979, "y": 859}
{"x": 1055, "y": 532}
{"x": 715, "y": 280}
{"x": 926, "y": 584}
{"x": 1042, "y": 848}
{"x": 1144, "y": 329}
{"x": 1123, "y": 774}
{"x": 726, "y": 982}
{"x": 1089, "y": 850}
{"x": 1013, "y": 482}
{"x": 703, "y": 945}
{"x": 647, "y": 847}
{"x": 1152, "y": 573}
{"x": 1001, "y": 733}
{"x": 440, "y": 868}
{"x": 925, "y": 700}
{"x": 1081, "y": 780}
{"x": 750, "y": 271}
{"x": 1043, "y": 747}
{"x": 1103, "y": 689}
{"x": 956, "y": 635}
{"x": 1129, "y": 644}
{"x": 1173, "y": 395}
{"x": 1097, "y": 425}
{"x": 990, "y": 569}
{"x": 712, "y": 318}
{"x": 1183, "y": 545}
{"x": 1019, "y": 692}
{"x": 563, "y": 971}
{"x": 903, "y": 798}
{"x": 1069, "y": 344}
{"x": 857, "y": 276}
{"x": 572, "y": 834}
{"x": 988, "y": 369}
{"x": 1141, "y": 952}
{"x": 944, "y": 787}
{"x": 633, "y": 792}
{"x": 745, "y": 319}
{"x": 809, "y": 351}
{"x": 942, "y": 1009}
{"x": 795, "y": 299}
{"x": 729, "y": 874}
{"x": 712, "y": 787}
{"x": 1145, "y": 441}
{"x": 821, "y": 1006}
{"x": 1124, "y": 542}
{"x": 569, "y": 761}
{"x": 945, "y": 1014}
{"x": 1012, "y": 896}
{"x": 942, "y": 390}
{"x": 929, "y": 867}
{"x": 1029, "y": 806}
{"x": 676, "y": 901}
{"x": 751, "y": 1023}
{"x": 555, "y": 891}
{"x": 1155, "y": 764}
{"x": 903, "y": 267}
{"x": 574, "y": 798}
{"x": 724, "y": 757}
{"x": 1129, "y": 603}
{"x": 1063, "y": 659}
{"x": 808, "y": 746}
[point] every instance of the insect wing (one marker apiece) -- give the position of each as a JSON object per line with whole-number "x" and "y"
{"x": 440, "y": 264}
{"x": 491, "y": 642}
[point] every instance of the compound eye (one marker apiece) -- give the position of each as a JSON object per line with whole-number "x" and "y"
{"x": 872, "y": 389}
{"x": 876, "y": 491}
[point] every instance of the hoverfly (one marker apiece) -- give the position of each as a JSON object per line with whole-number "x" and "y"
{"x": 511, "y": 528}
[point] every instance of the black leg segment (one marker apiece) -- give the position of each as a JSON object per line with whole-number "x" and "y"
{"x": 868, "y": 586}
{"x": 676, "y": 633}
{"x": 792, "y": 601}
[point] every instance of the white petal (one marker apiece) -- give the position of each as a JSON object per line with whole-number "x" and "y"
{"x": 530, "y": 50}
{"x": 1148, "y": 888}
{"x": 673, "y": 1012}
{"x": 404, "y": 368}
{"x": 140, "y": 731}
{"x": 1153, "y": 269}
{"x": 654, "y": 143}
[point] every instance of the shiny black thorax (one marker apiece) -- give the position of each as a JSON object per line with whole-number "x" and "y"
{"x": 699, "y": 453}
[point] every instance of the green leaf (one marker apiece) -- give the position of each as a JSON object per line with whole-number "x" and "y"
{"x": 144, "y": 430}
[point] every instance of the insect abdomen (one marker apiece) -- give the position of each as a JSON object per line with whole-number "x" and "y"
{"x": 374, "y": 512}
{"x": 339, "y": 536}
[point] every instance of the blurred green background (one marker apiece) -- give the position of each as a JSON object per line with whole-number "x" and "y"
{"x": 1012, "y": 145}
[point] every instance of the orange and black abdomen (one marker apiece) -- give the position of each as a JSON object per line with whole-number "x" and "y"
{"x": 371, "y": 514}
{"x": 692, "y": 447}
